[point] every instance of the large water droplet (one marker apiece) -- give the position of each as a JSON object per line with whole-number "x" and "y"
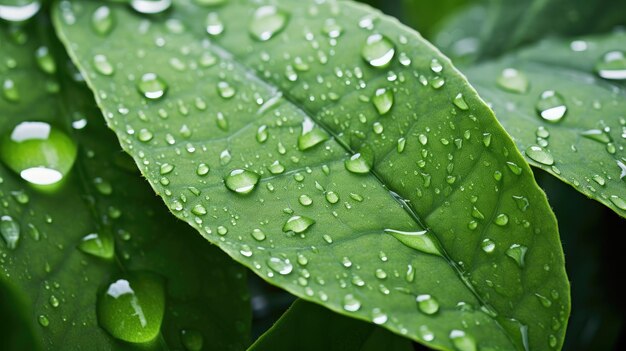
{"x": 10, "y": 231}
{"x": 513, "y": 81}
{"x": 150, "y": 6}
{"x": 40, "y": 153}
{"x": 241, "y": 181}
{"x": 311, "y": 135}
{"x": 612, "y": 65}
{"x": 99, "y": 245}
{"x": 360, "y": 162}
{"x": 19, "y": 12}
{"x": 539, "y": 154}
{"x": 459, "y": 101}
{"x": 280, "y": 265}
{"x": 427, "y": 304}
{"x": 378, "y": 50}
{"x": 131, "y": 308}
{"x": 551, "y": 106}
{"x": 152, "y": 86}
{"x": 267, "y": 21}
{"x": 102, "y": 20}
{"x": 421, "y": 240}
{"x": 383, "y": 100}
{"x": 298, "y": 224}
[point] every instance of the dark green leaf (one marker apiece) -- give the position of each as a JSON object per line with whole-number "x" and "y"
{"x": 371, "y": 190}
{"x": 586, "y": 145}
{"x": 54, "y": 284}
{"x": 307, "y": 326}
{"x": 493, "y": 27}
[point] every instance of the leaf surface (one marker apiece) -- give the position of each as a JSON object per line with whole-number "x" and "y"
{"x": 53, "y": 283}
{"x": 307, "y": 326}
{"x": 383, "y": 180}
{"x": 586, "y": 145}
{"x": 489, "y": 28}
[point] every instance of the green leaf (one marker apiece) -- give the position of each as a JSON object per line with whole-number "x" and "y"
{"x": 307, "y": 326}
{"x": 341, "y": 157}
{"x": 491, "y": 28}
{"x": 63, "y": 244}
{"x": 585, "y": 147}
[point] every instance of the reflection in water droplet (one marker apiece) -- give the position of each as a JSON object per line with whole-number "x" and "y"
{"x": 39, "y": 152}
{"x": 551, "y": 106}
{"x": 612, "y": 65}
{"x": 378, "y": 317}
{"x": 378, "y": 50}
{"x": 241, "y": 181}
{"x": 267, "y": 21}
{"x": 131, "y": 308}
{"x": 513, "y": 81}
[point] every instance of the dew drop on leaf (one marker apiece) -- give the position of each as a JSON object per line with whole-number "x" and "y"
{"x": 459, "y": 101}
{"x": 10, "y": 231}
{"x": 383, "y": 100}
{"x": 351, "y": 303}
{"x": 378, "y": 50}
{"x": 150, "y": 6}
{"x": 102, "y": 20}
{"x": 513, "y": 81}
{"x": 45, "y": 61}
{"x": 420, "y": 240}
{"x": 99, "y": 245}
{"x": 427, "y": 304}
{"x": 280, "y": 265}
{"x": 40, "y": 153}
{"x": 359, "y": 163}
{"x": 214, "y": 25}
{"x": 267, "y": 21}
{"x": 311, "y": 135}
{"x": 298, "y": 224}
{"x": 517, "y": 253}
{"x": 462, "y": 341}
{"x": 551, "y": 106}
{"x": 131, "y": 307}
{"x": 19, "y": 11}
{"x": 10, "y": 91}
{"x": 152, "y": 86}
{"x": 241, "y": 181}
{"x": 612, "y": 65}
{"x": 539, "y": 154}
{"x": 102, "y": 65}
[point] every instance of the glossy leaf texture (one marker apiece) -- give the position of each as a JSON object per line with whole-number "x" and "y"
{"x": 578, "y": 134}
{"x": 340, "y": 156}
{"x": 307, "y": 326}
{"x": 491, "y": 28}
{"x": 96, "y": 245}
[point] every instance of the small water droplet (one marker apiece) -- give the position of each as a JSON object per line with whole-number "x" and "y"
{"x": 551, "y": 106}
{"x": 102, "y": 20}
{"x": 332, "y": 197}
{"x": 597, "y": 135}
{"x": 45, "y": 61}
{"x": 10, "y": 91}
{"x": 305, "y": 200}
{"x": 513, "y": 81}
{"x": 618, "y": 201}
{"x": 202, "y": 169}
{"x": 43, "y": 320}
{"x": 241, "y": 181}
{"x": 378, "y": 50}
{"x": 378, "y": 317}
{"x": 102, "y": 65}
{"x": 267, "y": 21}
{"x": 226, "y": 90}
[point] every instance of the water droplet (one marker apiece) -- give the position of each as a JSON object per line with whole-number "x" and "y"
{"x": 551, "y": 106}
{"x": 10, "y": 231}
{"x": 298, "y": 224}
{"x": 501, "y": 219}
{"x": 427, "y": 304}
{"x": 378, "y": 317}
{"x": 258, "y": 234}
{"x": 203, "y": 169}
{"x": 488, "y": 245}
{"x": 360, "y": 162}
{"x": 241, "y": 181}
{"x": 311, "y": 135}
{"x": 152, "y": 86}
{"x": 332, "y": 29}
{"x": 517, "y": 170}
{"x": 539, "y": 154}
{"x": 332, "y": 197}
{"x": 350, "y": 303}
{"x": 618, "y": 201}
{"x": 214, "y": 25}
{"x": 267, "y": 21}
{"x": 131, "y": 307}
{"x": 462, "y": 341}
{"x": 305, "y": 200}
{"x": 225, "y": 90}
{"x": 102, "y": 20}
{"x": 43, "y": 320}
{"x": 19, "y": 12}
{"x": 45, "y": 61}
{"x": 378, "y": 50}
{"x": 597, "y": 135}
{"x": 10, "y": 91}
{"x": 436, "y": 66}
{"x": 421, "y": 240}
{"x": 612, "y": 65}
{"x": 150, "y": 6}
{"x": 459, "y": 101}
{"x": 280, "y": 265}
{"x": 262, "y": 134}
{"x": 192, "y": 339}
{"x": 102, "y": 65}
{"x": 40, "y": 153}
{"x": 199, "y": 210}
{"x": 513, "y": 81}
{"x": 99, "y": 245}
{"x": 517, "y": 253}
{"x": 276, "y": 167}
{"x": 383, "y": 100}
{"x": 144, "y": 135}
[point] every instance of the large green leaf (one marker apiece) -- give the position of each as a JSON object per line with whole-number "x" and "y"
{"x": 55, "y": 285}
{"x": 447, "y": 239}
{"x": 493, "y": 27}
{"x": 586, "y": 146}
{"x": 307, "y": 326}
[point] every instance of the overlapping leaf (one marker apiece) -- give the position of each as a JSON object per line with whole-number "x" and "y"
{"x": 585, "y": 145}
{"x": 54, "y": 285}
{"x": 386, "y": 190}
